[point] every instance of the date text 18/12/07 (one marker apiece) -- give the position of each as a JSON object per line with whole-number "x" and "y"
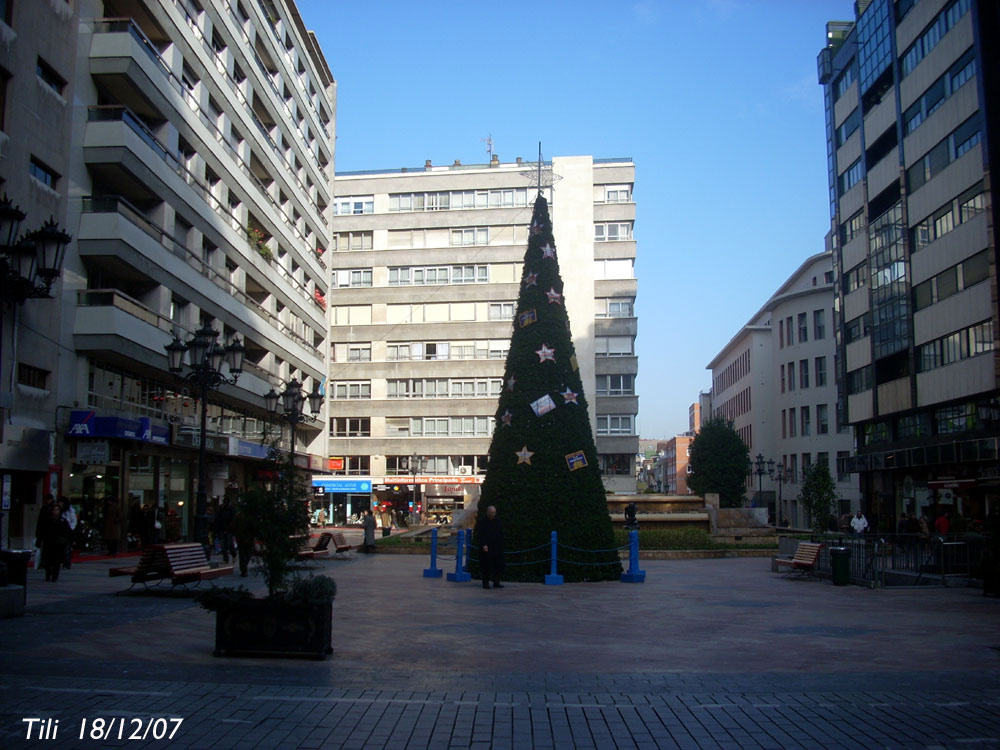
{"x": 115, "y": 728}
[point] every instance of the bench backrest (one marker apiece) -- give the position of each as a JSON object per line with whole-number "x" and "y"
{"x": 807, "y": 552}
{"x": 323, "y": 542}
{"x": 182, "y": 557}
{"x": 339, "y": 541}
{"x": 152, "y": 560}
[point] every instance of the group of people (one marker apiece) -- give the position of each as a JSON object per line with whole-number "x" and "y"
{"x": 54, "y": 536}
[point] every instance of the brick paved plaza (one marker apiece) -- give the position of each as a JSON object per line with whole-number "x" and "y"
{"x": 704, "y": 654}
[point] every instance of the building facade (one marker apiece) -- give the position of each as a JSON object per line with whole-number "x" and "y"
{"x": 774, "y": 381}
{"x": 426, "y": 267}
{"x": 910, "y": 93}
{"x": 200, "y": 196}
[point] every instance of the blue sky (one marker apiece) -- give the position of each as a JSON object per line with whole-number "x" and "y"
{"x": 716, "y": 101}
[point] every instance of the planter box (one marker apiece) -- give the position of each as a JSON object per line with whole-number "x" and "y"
{"x": 258, "y": 627}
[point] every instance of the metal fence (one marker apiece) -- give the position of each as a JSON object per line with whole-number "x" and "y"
{"x": 907, "y": 559}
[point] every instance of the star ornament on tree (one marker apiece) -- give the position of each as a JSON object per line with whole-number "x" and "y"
{"x": 535, "y": 228}
{"x": 524, "y": 455}
{"x": 531, "y": 280}
{"x": 548, "y": 251}
{"x": 510, "y": 383}
{"x": 554, "y": 296}
{"x": 545, "y": 354}
{"x": 569, "y": 397}
{"x": 506, "y": 417}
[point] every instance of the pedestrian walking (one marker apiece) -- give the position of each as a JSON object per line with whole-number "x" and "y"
{"x": 222, "y": 529}
{"x": 69, "y": 513}
{"x": 488, "y": 536}
{"x": 112, "y": 524}
{"x": 54, "y": 538}
{"x": 368, "y": 524}
{"x": 40, "y": 522}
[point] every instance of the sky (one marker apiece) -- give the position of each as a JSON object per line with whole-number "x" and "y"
{"x": 715, "y": 101}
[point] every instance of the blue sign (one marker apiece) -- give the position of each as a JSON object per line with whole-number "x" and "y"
{"x": 88, "y": 424}
{"x": 251, "y": 450}
{"x": 342, "y": 485}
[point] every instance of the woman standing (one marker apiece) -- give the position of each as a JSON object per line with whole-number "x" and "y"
{"x": 55, "y": 535}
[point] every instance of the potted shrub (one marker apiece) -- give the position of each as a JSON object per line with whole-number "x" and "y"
{"x": 259, "y": 242}
{"x": 296, "y": 616}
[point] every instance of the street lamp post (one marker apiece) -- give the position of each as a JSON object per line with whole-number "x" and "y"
{"x": 29, "y": 267}
{"x": 292, "y": 400}
{"x": 777, "y": 473}
{"x": 205, "y": 360}
{"x": 760, "y": 468}
{"x": 417, "y": 464}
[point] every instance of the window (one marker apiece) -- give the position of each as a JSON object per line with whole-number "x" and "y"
{"x": 360, "y": 277}
{"x": 784, "y": 430}
{"x": 856, "y": 278}
{"x": 803, "y": 328}
{"x": 42, "y": 173}
{"x": 951, "y": 419}
{"x": 32, "y": 376}
{"x": 913, "y": 426}
{"x": 842, "y": 474}
{"x": 612, "y": 232}
{"x": 615, "y": 385}
{"x": 470, "y": 236}
{"x": 951, "y": 281}
{"x": 616, "y": 193}
{"x": 781, "y": 369}
{"x": 501, "y": 311}
{"x": 927, "y": 41}
{"x": 852, "y": 227}
{"x": 859, "y": 380}
{"x": 789, "y": 339}
{"x": 791, "y": 423}
{"x": 356, "y": 390}
{"x": 353, "y": 465}
{"x": 613, "y": 346}
{"x": 822, "y": 419}
{"x": 819, "y": 325}
{"x": 351, "y": 427}
{"x": 614, "y": 424}
{"x": 971, "y": 203}
{"x": 803, "y": 373}
{"x": 852, "y": 176}
{"x": 344, "y": 241}
{"x": 963, "y": 138}
{"x": 820, "y": 364}
{"x": 804, "y": 413}
{"x": 6, "y": 11}
{"x": 613, "y": 308}
{"x": 844, "y": 81}
{"x": 781, "y": 334}
{"x": 470, "y": 274}
{"x": 351, "y": 205}
{"x": 968, "y": 342}
{"x": 359, "y": 352}
{"x": 791, "y": 376}
{"x": 49, "y": 77}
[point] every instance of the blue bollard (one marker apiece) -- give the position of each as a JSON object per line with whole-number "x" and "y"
{"x": 634, "y": 575}
{"x": 460, "y": 575}
{"x": 433, "y": 571}
{"x": 553, "y": 578}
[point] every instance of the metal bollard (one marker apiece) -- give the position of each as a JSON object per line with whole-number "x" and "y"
{"x": 553, "y": 578}
{"x": 634, "y": 575}
{"x": 460, "y": 575}
{"x": 433, "y": 571}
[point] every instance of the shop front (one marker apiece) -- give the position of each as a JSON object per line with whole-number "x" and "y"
{"x": 343, "y": 498}
{"x": 26, "y": 475}
{"x": 430, "y": 500}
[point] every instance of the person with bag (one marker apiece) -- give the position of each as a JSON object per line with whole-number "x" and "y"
{"x": 56, "y": 534}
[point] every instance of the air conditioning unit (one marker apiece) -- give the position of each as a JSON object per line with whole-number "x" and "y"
{"x": 464, "y": 470}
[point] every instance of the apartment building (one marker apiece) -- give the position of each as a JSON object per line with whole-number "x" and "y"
{"x": 910, "y": 93}
{"x": 199, "y": 194}
{"x": 774, "y": 381}
{"x": 426, "y": 266}
{"x": 37, "y": 59}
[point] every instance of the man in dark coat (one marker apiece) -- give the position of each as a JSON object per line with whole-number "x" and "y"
{"x": 489, "y": 538}
{"x": 222, "y": 528}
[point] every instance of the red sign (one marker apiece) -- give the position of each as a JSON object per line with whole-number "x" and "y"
{"x": 336, "y": 463}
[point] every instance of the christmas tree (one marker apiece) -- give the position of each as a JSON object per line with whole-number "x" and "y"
{"x": 543, "y": 473}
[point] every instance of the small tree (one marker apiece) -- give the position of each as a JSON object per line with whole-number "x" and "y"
{"x": 719, "y": 462}
{"x": 818, "y": 495}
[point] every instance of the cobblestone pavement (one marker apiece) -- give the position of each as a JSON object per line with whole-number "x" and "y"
{"x": 704, "y": 654}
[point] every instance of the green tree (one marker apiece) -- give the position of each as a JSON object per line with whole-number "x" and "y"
{"x": 543, "y": 472}
{"x": 719, "y": 462}
{"x": 818, "y": 496}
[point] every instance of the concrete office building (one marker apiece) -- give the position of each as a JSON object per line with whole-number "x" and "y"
{"x": 774, "y": 381}
{"x": 426, "y": 273}
{"x": 199, "y": 193}
{"x": 911, "y": 96}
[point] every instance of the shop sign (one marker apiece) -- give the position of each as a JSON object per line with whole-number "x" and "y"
{"x": 88, "y": 424}
{"x": 5, "y": 493}
{"x": 93, "y": 452}
{"x": 213, "y": 443}
{"x": 336, "y": 463}
{"x": 315, "y": 462}
{"x": 329, "y": 485}
{"x": 247, "y": 449}
{"x": 446, "y": 490}
{"x": 405, "y": 479}
{"x": 989, "y": 472}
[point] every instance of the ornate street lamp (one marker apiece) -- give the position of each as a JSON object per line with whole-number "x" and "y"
{"x": 760, "y": 468}
{"x": 777, "y": 473}
{"x": 30, "y": 265}
{"x": 292, "y": 401}
{"x": 205, "y": 361}
{"x": 418, "y": 465}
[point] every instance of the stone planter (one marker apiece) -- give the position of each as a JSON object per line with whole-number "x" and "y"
{"x": 258, "y": 627}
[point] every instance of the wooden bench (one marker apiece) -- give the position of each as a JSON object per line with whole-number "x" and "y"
{"x": 182, "y": 564}
{"x": 804, "y": 560}
{"x": 308, "y": 551}
{"x": 340, "y": 545}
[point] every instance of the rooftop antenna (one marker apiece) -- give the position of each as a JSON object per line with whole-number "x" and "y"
{"x": 488, "y": 140}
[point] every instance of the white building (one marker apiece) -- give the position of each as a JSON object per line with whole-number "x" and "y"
{"x": 426, "y": 272}
{"x": 775, "y": 381}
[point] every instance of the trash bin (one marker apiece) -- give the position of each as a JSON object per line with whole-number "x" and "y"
{"x": 840, "y": 565}
{"x": 385, "y": 531}
{"x": 16, "y": 561}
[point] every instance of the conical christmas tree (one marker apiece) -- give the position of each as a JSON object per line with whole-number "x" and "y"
{"x": 543, "y": 474}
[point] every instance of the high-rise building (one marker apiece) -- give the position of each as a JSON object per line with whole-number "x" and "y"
{"x": 911, "y": 95}
{"x": 199, "y": 194}
{"x": 774, "y": 382}
{"x": 426, "y": 268}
